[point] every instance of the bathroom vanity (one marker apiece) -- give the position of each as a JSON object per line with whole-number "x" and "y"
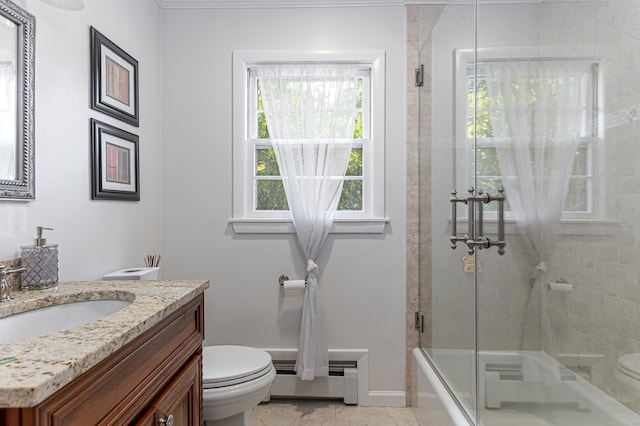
{"x": 139, "y": 365}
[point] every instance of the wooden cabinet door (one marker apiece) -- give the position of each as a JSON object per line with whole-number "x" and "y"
{"x": 180, "y": 403}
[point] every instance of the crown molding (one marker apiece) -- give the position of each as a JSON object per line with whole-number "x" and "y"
{"x": 272, "y": 4}
{"x": 277, "y": 4}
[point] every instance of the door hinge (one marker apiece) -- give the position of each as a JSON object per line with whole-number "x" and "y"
{"x": 419, "y": 321}
{"x": 419, "y": 76}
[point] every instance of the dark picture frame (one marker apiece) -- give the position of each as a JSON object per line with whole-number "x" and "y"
{"x": 114, "y": 80}
{"x": 115, "y": 171}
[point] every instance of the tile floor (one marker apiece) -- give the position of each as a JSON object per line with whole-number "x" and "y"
{"x": 284, "y": 412}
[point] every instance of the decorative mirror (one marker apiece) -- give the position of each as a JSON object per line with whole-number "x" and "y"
{"x": 17, "y": 160}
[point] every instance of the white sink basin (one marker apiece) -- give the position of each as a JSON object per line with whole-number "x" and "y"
{"x": 51, "y": 319}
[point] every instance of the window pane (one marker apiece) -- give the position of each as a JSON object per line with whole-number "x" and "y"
{"x": 270, "y": 195}
{"x": 487, "y": 162}
{"x": 580, "y": 165}
{"x": 577, "y": 196}
{"x": 351, "y": 198}
{"x": 491, "y": 187}
{"x": 357, "y": 128}
{"x": 266, "y": 164}
{"x": 355, "y": 163}
{"x": 263, "y": 132}
{"x": 483, "y": 119}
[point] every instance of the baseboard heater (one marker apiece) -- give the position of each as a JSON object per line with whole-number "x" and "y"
{"x": 342, "y": 383}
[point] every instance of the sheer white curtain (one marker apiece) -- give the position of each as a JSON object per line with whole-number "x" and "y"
{"x": 539, "y": 111}
{"x": 310, "y": 111}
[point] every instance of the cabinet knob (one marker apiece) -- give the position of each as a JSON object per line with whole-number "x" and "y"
{"x": 168, "y": 421}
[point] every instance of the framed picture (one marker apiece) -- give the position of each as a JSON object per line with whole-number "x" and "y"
{"x": 115, "y": 173}
{"x": 114, "y": 80}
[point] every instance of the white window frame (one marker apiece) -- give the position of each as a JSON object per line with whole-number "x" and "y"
{"x": 594, "y": 144}
{"x": 247, "y": 220}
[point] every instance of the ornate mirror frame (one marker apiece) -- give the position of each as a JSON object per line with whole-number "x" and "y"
{"x": 23, "y": 187}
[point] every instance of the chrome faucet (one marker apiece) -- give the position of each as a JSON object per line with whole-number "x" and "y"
{"x": 5, "y": 289}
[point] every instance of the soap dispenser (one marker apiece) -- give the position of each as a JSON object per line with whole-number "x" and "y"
{"x": 41, "y": 263}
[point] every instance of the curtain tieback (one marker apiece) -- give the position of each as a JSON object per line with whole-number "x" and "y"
{"x": 312, "y": 268}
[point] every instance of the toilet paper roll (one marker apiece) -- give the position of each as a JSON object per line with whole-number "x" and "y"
{"x": 561, "y": 287}
{"x": 294, "y": 285}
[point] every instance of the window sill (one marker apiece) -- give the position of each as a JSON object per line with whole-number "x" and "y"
{"x": 567, "y": 226}
{"x": 285, "y": 226}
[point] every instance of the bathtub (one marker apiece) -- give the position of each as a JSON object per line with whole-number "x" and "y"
{"x": 532, "y": 381}
{"x": 432, "y": 403}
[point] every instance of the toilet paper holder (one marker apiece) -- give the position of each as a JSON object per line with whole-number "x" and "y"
{"x": 284, "y": 278}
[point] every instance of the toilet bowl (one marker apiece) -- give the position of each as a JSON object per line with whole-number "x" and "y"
{"x": 235, "y": 380}
{"x": 628, "y": 371}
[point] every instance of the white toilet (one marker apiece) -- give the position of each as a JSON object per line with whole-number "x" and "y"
{"x": 235, "y": 380}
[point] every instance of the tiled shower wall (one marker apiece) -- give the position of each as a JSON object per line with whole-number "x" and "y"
{"x": 601, "y": 317}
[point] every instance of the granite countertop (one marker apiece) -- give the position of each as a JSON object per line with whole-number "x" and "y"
{"x": 45, "y": 364}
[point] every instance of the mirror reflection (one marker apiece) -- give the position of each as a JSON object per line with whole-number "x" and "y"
{"x": 8, "y": 100}
{"x": 17, "y": 42}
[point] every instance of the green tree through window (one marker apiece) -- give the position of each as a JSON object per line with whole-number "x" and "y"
{"x": 269, "y": 189}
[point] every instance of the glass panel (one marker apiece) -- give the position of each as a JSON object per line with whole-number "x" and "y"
{"x": 446, "y": 286}
{"x": 354, "y": 168}
{"x": 577, "y": 200}
{"x": 270, "y": 195}
{"x": 580, "y": 163}
{"x": 266, "y": 164}
{"x": 351, "y": 198}
{"x": 558, "y": 340}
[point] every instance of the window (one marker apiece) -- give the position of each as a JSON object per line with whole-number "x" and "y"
{"x": 260, "y": 203}
{"x": 268, "y": 190}
{"x": 579, "y": 201}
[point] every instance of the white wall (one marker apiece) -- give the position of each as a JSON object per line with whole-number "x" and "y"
{"x": 362, "y": 277}
{"x": 95, "y": 237}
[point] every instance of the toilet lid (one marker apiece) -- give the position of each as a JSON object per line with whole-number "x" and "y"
{"x": 630, "y": 365}
{"x": 228, "y": 365}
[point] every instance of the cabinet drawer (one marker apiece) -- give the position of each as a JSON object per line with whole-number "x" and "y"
{"x": 121, "y": 386}
{"x": 180, "y": 401}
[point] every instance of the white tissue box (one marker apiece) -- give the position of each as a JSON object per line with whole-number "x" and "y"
{"x": 148, "y": 273}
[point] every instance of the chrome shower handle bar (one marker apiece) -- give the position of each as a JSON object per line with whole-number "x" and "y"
{"x": 475, "y": 238}
{"x": 455, "y": 238}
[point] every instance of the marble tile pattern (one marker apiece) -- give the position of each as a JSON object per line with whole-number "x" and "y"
{"x": 284, "y": 412}
{"x": 45, "y": 364}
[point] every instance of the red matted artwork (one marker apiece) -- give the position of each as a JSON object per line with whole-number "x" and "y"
{"x": 114, "y": 80}
{"x": 115, "y": 172}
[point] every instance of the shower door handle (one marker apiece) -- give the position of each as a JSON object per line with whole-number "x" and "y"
{"x": 455, "y": 238}
{"x": 475, "y": 238}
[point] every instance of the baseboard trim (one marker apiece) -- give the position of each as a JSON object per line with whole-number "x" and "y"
{"x": 387, "y": 399}
{"x": 361, "y": 356}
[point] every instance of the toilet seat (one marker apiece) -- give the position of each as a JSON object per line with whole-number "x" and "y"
{"x": 228, "y": 365}
{"x": 630, "y": 365}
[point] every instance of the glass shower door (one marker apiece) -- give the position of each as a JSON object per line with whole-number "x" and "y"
{"x": 555, "y": 102}
{"x": 541, "y": 98}
{"x": 447, "y": 289}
